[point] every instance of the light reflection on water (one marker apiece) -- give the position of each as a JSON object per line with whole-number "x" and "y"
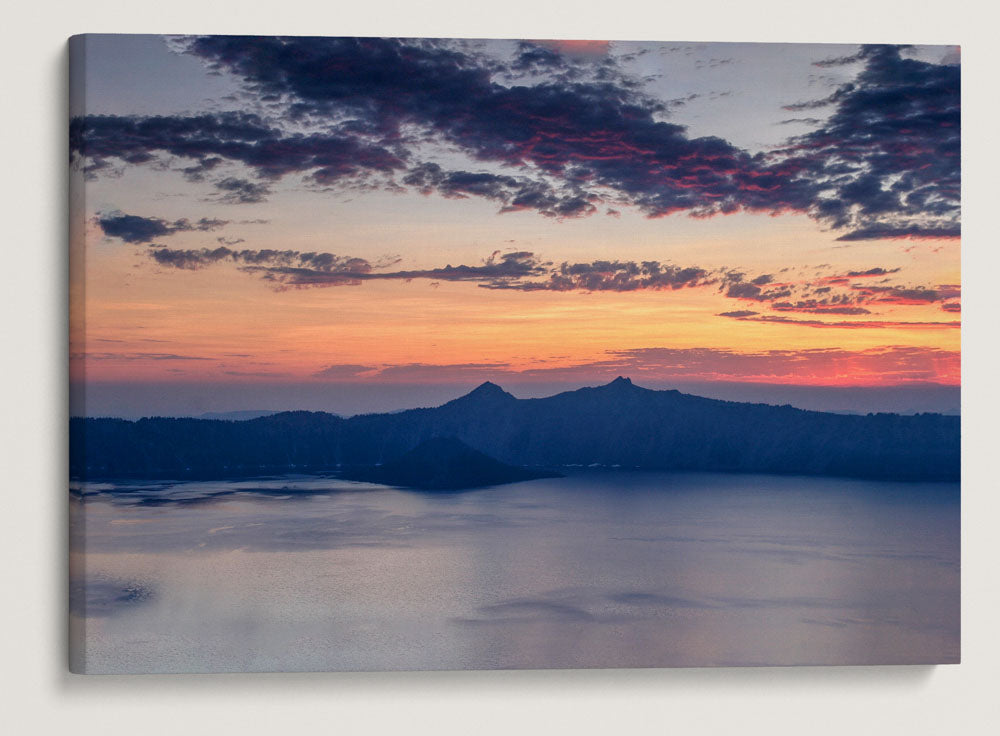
{"x": 599, "y": 569}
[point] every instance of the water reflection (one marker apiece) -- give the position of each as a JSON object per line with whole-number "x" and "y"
{"x": 596, "y": 569}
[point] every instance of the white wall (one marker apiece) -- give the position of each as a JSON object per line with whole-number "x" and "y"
{"x": 39, "y": 697}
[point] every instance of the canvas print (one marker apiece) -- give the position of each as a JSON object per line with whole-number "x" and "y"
{"x": 411, "y": 354}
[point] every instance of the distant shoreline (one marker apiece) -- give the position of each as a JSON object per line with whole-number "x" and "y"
{"x": 618, "y": 423}
{"x": 566, "y": 471}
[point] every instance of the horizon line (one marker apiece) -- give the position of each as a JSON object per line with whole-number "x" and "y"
{"x": 622, "y": 380}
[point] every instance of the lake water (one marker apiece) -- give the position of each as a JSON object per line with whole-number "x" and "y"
{"x": 598, "y": 569}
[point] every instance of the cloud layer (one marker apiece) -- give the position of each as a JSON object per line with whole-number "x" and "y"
{"x": 553, "y": 131}
{"x": 855, "y": 293}
{"x": 143, "y": 230}
{"x": 887, "y": 161}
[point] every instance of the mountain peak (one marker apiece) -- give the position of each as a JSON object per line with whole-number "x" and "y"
{"x": 620, "y": 384}
{"x": 486, "y": 391}
{"x": 488, "y": 388}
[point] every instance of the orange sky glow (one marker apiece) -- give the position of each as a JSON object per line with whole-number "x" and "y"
{"x": 492, "y": 255}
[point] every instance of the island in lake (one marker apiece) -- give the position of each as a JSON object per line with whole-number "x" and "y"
{"x": 444, "y": 464}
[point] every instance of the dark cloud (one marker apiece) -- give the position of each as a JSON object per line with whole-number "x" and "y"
{"x": 859, "y": 324}
{"x": 744, "y": 291}
{"x": 136, "y": 229}
{"x": 753, "y": 291}
{"x": 279, "y": 266}
{"x": 517, "y": 270}
{"x": 578, "y": 133}
{"x": 712, "y": 63}
{"x": 196, "y": 172}
{"x": 241, "y": 191}
{"x": 830, "y": 293}
{"x": 909, "y": 232}
{"x": 611, "y": 276}
{"x": 803, "y": 121}
{"x": 816, "y": 308}
{"x": 291, "y": 268}
{"x": 832, "y": 99}
{"x": 886, "y": 163}
{"x": 237, "y": 137}
{"x": 513, "y": 193}
{"x": 879, "y": 271}
{"x": 495, "y": 269}
{"x": 842, "y": 60}
{"x": 525, "y": 271}
{"x": 821, "y": 294}
{"x": 905, "y": 295}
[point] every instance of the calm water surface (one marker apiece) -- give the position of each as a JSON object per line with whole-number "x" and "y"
{"x": 598, "y": 569}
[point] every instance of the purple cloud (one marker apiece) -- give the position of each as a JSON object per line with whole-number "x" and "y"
{"x": 884, "y": 164}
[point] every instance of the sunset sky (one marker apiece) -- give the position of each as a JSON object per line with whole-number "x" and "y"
{"x": 372, "y": 224}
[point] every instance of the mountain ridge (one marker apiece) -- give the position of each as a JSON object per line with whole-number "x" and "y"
{"x": 618, "y": 423}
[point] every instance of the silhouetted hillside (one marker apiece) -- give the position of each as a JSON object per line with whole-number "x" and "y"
{"x": 443, "y": 463}
{"x": 615, "y": 424}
